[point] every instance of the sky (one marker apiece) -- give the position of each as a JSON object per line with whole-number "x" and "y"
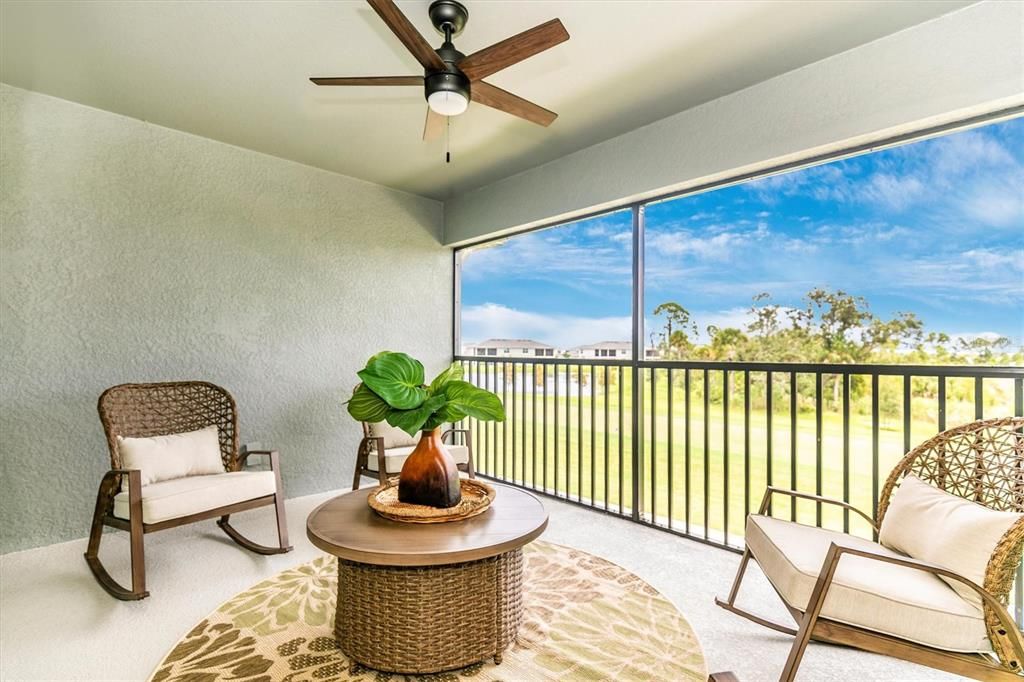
{"x": 934, "y": 227}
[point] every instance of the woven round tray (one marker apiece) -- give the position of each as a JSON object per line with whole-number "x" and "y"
{"x": 476, "y": 498}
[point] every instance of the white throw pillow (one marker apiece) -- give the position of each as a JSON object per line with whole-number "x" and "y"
{"x": 932, "y": 525}
{"x": 161, "y": 458}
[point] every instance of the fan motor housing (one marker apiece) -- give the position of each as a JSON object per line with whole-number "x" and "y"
{"x": 451, "y": 79}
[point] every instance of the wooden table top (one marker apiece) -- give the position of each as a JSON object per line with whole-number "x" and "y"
{"x": 346, "y": 527}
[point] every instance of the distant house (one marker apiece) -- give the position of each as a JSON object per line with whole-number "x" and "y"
{"x": 604, "y": 349}
{"x": 510, "y": 348}
{"x": 620, "y": 350}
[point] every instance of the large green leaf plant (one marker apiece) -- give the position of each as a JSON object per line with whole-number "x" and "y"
{"x": 393, "y": 390}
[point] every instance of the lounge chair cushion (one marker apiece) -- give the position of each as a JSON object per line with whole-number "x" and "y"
{"x": 393, "y": 436}
{"x": 894, "y": 600}
{"x": 193, "y": 494}
{"x": 934, "y": 526}
{"x": 395, "y": 457}
{"x": 161, "y": 458}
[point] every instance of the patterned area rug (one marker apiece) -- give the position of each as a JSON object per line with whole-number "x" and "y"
{"x": 586, "y": 619}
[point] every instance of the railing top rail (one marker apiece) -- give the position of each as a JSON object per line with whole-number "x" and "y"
{"x": 526, "y": 360}
{"x": 969, "y": 371}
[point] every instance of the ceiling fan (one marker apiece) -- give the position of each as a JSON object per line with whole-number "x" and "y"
{"x": 451, "y": 79}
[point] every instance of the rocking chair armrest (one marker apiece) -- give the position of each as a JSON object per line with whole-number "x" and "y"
{"x": 449, "y": 432}
{"x": 1008, "y": 627}
{"x": 243, "y": 455}
{"x": 817, "y": 498}
{"x": 111, "y": 482}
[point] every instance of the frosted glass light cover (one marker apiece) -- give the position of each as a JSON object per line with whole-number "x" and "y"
{"x": 447, "y": 103}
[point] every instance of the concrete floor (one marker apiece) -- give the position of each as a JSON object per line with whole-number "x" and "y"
{"x": 57, "y": 624}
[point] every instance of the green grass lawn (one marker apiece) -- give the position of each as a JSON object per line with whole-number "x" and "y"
{"x": 589, "y": 455}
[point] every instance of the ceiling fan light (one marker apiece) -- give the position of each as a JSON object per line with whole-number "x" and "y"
{"x": 448, "y": 102}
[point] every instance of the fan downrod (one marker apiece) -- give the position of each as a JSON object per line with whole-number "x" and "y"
{"x": 448, "y": 17}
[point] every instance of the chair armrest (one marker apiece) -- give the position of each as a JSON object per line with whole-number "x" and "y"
{"x": 1008, "y": 628}
{"x": 272, "y": 454}
{"x": 771, "y": 490}
{"x": 111, "y": 482}
{"x": 452, "y": 431}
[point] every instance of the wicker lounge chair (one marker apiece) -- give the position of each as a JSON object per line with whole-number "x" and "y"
{"x": 982, "y": 462}
{"x": 123, "y": 502}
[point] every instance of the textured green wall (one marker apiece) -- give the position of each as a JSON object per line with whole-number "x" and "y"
{"x": 130, "y": 252}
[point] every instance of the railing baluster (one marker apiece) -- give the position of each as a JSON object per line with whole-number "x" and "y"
{"x": 707, "y": 448}
{"x": 533, "y": 425}
{"x": 942, "y": 404}
{"x": 579, "y": 433}
{"x": 671, "y": 450}
{"x": 622, "y": 421}
{"x": 654, "y": 447}
{"x": 686, "y": 448}
{"x": 769, "y": 381}
{"x": 554, "y": 435}
{"x": 875, "y": 429}
{"x": 817, "y": 445}
{"x": 979, "y": 399}
{"x": 568, "y": 430}
{"x": 606, "y": 431}
{"x": 746, "y": 443}
{"x": 504, "y": 424}
{"x": 725, "y": 456}
{"x": 792, "y": 443}
{"x": 846, "y": 451}
{"x": 593, "y": 432}
{"x": 510, "y": 371}
{"x": 906, "y": 412}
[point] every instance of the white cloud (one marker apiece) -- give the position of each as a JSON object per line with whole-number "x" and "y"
{"x": 492, "y": 320}
{"x": 722, "y": 245}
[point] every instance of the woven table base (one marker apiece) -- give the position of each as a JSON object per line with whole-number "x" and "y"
{"x": 429, "y": 619}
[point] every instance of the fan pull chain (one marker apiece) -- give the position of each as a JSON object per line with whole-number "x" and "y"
{"x": 448, "y": 139}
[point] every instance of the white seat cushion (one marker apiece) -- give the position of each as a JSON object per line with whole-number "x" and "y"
{"x": 193, "y": 494}
{"x": 895, "y": 600}
{"x": 395, "y": 457}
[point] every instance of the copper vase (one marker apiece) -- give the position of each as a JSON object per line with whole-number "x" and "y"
{"x": 429, "y": 476}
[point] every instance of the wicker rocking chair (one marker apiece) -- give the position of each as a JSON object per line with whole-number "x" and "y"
{"x": 982, "y": 462}
{"x": 160, "y": 409}
{"x": 383, "y": 443}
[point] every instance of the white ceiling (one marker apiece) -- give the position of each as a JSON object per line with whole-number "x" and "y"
{"x": 237, "y": 71}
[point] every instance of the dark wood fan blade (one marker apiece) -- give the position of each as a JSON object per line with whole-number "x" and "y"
{"x": 433, "y": 126}
{"x": 503, "y": 100}
{"x": 370, "y": 80}
{"x": 407, "y": 33}
{"x": 483, "y": 63}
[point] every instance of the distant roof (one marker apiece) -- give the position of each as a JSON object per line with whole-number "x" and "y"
{"x": 606, "y": 345}
{"x": 517, "y": 343}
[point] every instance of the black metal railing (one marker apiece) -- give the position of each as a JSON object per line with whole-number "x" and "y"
{"x": 690, "y": 446}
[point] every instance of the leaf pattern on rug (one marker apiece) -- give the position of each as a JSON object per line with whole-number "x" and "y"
{"x": 305, "y": 594}
{"x": 585, "y": 618}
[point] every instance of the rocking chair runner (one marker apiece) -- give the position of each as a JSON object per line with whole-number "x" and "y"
{"x": 982, "y": 462}
{"x": 161, "y": 409}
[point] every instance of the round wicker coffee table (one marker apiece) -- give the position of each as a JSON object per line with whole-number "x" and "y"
{"x": 423, "y": 598}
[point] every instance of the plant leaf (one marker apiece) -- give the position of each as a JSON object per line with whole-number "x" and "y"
{"x": 453, "y": 373}
{"x": 473, "y": 402}
{"x": 397, "y": 378}
{"x": 367, "y": 406}
{"x": 413, "y": 420}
